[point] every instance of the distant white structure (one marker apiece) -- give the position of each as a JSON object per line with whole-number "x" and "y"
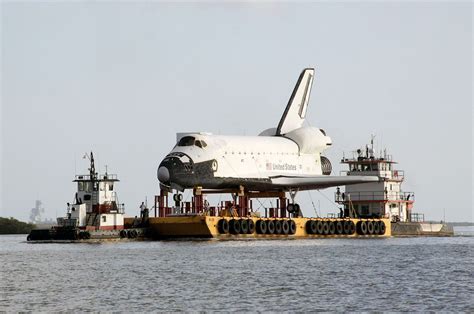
{"x": 36, "y": 212}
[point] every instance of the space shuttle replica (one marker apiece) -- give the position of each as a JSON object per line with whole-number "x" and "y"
{"x": 287, "y": 158}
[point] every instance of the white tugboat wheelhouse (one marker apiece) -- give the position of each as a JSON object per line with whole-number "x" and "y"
{"x": 96, "y": 205}
{"x": 375, "y": 199}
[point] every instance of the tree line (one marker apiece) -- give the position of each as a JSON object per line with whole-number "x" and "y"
{"x": 13, "y": 226}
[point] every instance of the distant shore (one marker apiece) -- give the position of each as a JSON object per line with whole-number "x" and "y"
{"x": 13, "y": 226}
{"x": 461, "y": 224}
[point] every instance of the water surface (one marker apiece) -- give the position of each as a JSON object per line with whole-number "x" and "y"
{"x": 394, "y": 274}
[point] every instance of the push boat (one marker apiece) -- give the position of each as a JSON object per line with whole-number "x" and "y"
{"x": 95, "y": 213}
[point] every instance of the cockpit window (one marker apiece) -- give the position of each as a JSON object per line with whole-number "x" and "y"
{"x": 200, "y": 143}
{"x": 186, "y": 141}
{"x": 190, "y": 141}
{"x": 322, "y": 131}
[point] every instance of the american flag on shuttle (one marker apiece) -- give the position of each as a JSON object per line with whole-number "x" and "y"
{"x": 269, "y": 166}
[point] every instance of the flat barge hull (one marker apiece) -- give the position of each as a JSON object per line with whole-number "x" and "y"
{"x": 200, "y": 226}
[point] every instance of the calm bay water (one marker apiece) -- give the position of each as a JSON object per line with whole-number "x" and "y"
{"x": 395, "y": 274}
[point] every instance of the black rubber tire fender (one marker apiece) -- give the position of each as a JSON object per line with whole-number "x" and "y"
{"x": 325, "y": 227}
{"x": 376, "y": 227}
{"x": 285, "y": 227}
{"x": 244, "y": 227}
{"x": 261, "y": 226}
{"x": 319, "y": 227}
{"x": 223, "y": 226}
{"x": 292, "y": 226}
{"x": 347, "y": 226}
{"x": 234, "y": 226}
{"x": 339, "y": 227}
{"x": 352, "y": 227}
{"x": 270, "y": 227}
{"x": 332, "y": 227}
{"x": 370, "y": 227}
{"x": 362, "y": 227}
{"x": 123, "y": 233}
{"x": 278, "y": 227}
{"x": 382, "y": 227}
{"x": 311, "y": 227}
{"x": 251, "y": 226}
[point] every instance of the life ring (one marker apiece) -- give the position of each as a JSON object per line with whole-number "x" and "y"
{"x": 292, "y": 227}
{"x": 223, "y": 226}
{"x": 244, "y": 227}
{"x": 285, "y": 227}
{"x": 251, "y": 226}
{"x": 261, "y": 226}
{"x": 270, "y": 227}
{"x": 278, "y": 227}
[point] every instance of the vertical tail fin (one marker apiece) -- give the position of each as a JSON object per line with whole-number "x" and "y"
{"x": 295, "y": 111}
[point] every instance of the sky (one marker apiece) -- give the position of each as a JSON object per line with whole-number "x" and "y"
{"x": 122, "y": 78}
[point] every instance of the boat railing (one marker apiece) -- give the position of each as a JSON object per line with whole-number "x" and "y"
{"x": 87, "y": 177}
{"x": 417, "y": 217}
{"x": 374, "y": 196}
{"x": 67, "y": 222}
{"x": 388, "y": 174}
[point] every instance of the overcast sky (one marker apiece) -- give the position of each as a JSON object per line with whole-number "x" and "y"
{"x": 122, "y": 78}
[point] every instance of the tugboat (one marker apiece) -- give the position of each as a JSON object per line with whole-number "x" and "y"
{"x": 384, "y": 199}
{"x": 95, "y": 214}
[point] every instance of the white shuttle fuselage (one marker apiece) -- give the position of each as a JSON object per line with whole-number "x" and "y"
{"x": 284, "y": 158}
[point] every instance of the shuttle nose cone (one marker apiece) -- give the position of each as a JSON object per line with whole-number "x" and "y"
{"x": 163, "y": 174}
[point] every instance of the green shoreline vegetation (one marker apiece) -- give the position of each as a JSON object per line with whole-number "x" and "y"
{"x": 13, "y": 226}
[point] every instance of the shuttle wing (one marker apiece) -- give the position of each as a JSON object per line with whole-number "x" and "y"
{"x": 295, "y": 111}
{"x": 319, "y": 182}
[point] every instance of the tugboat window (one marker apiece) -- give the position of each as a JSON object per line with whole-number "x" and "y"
{"x": 186, "y": 141}
{"x": 111, "y": 187}
{"x": 80, "y": 186}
